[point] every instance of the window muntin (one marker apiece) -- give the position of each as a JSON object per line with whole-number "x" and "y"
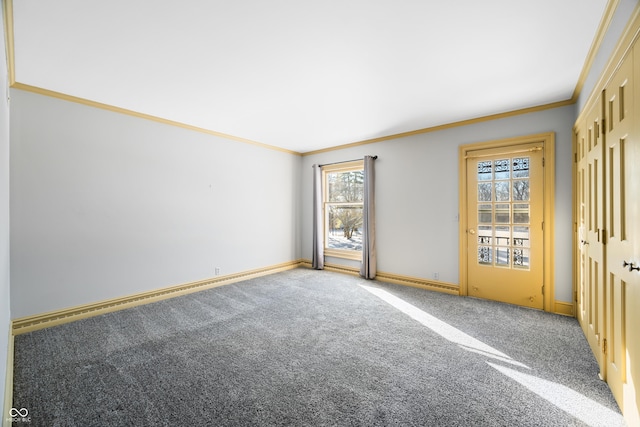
{"x": 343, "y": 209}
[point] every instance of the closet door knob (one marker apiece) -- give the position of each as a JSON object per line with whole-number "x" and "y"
{"x": 631, "y": 266}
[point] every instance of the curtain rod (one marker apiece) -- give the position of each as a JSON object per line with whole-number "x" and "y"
{"x": 346, "y": 161}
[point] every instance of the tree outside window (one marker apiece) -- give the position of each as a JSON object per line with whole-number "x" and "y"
{"x": 343, "y": 209}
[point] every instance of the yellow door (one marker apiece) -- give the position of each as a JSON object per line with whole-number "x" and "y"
{"x": 622, "y": 246}
{"x": 618, "y": 125}
{"x": 505, "y": 210}
{"x": 581, "y": 212}
{"x": 593, "y": 245}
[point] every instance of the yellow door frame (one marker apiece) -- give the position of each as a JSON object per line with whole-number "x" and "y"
{"x": 548, "y": 142}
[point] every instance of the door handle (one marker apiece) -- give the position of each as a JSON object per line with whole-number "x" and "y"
{"x": 584, "y": 242}
{"x": 631, "y": 266}
{"x": 472, "y": 231}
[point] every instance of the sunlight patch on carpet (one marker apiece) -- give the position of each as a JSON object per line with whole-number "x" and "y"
{"x": 570, "y": 401}
{"x": 443, "y": 329}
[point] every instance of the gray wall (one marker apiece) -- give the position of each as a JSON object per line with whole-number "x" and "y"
{"x": 5, "y": 313}
{"x": 417, "y": 195}
{"x": 105, "y": 205}
{"x": 421, "y": 171}
{"x": 614, "y": 32}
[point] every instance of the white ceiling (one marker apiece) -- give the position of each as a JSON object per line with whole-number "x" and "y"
{"x": 306, "y": 75}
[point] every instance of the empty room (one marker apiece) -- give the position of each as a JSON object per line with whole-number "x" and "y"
{"x": 320, "y": 213}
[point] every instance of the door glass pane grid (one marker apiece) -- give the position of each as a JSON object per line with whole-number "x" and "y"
{"x": 502, "y": 257}
{"x": 502, "y": 191}
{"x": 521, "y": 213}
{"x": 502, "y": 247}
{"x": 485, "y": 255}
{"x": 484, "y": 171}
{"x": 503, "y": 169}
{"x": 485, "y": 213}
{"x": 504, "y": 213}
{"x": 521, "y": 167}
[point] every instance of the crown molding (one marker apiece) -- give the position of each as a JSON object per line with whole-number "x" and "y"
{"x": 7, "y": 16}
{"x": 447, "y": 126}
{"x": 90, "y": 103}
{"x": 629, "y": 36}
{"x": 603, "y": 27}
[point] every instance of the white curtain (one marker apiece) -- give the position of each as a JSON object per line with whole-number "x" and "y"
{"x": 317, "y": 257}
{"x": 368, "y": 267}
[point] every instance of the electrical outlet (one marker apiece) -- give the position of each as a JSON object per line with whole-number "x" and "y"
{"x": 217, "y": 271}
{"x": 436, "y": 276}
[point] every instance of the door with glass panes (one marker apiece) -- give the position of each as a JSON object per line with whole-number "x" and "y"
{"x": 505, "y": 211}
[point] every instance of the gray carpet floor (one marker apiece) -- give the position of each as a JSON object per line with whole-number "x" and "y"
{"x": 309, "y": 348}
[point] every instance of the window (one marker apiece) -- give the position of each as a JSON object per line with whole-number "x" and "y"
{"x": 343, "y": 207}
